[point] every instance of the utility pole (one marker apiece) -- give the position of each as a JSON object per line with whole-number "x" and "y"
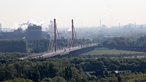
{"x": 55, "y": 33}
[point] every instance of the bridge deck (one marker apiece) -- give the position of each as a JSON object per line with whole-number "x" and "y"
{"x": 58, "y": 52}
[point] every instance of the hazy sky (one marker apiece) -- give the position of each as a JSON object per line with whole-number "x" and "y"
{"x": 84, "y": 12}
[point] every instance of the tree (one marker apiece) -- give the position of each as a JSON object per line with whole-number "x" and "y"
{"x": 68, "y": 73}
{"x": 59, "y": 79}
{"x": 19, "y": 80}
{"x": 47, "y": 80}
{"x": 13, "y": 46}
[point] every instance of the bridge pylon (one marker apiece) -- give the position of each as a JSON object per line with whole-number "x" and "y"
{"x": 53, "y": 39}
{"x": 55, "y": 35}
{"x": 74, "y": 37}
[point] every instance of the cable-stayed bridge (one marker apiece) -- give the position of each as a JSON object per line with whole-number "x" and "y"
{"x": 53, "y": 47}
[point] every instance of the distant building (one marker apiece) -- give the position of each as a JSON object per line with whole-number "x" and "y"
{"x": 33, "y": 32}
{"x": 17, "y": 34}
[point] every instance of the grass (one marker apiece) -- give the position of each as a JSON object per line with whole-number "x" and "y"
{"x": 103, "y": 51}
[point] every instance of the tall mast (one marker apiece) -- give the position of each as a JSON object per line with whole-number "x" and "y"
{"x": 55, "y": 33}
{"x": 72, "y": 44}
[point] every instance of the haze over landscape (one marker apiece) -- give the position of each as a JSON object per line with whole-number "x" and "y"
{"x": 72, "y": 40}
{"x": 85, "y": 12}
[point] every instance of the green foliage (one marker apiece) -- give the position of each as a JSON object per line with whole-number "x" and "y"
{"x": 108, "y": 79}
{"x": 43, "y": 45}
{"x": 101, "y": 51}
{"x": 74, "y": 70}
{"x": 34, "y": 46}
{"x": 125, "y": 43}
{"x": 13, "y": 46}
{"x": 6, "y": 57}
{"x": 47, "y": 80}
{"x": 19, "y": 80}
{"x": 59, "y": 79}
{"x": 135, "y": 78}
{"x": 39, "y": 45}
